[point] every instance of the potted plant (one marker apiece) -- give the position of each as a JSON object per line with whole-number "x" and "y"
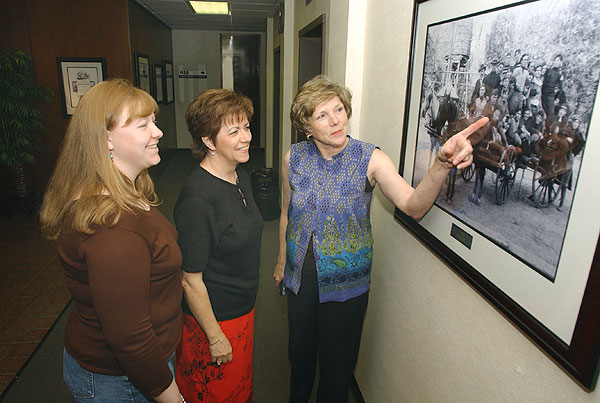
{"x": 20, "y": 115}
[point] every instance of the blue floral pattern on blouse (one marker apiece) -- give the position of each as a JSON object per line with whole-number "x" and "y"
{"x": 330, "y": 202}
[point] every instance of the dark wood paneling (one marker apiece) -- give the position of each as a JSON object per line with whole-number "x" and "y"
{"x": 74, "y": 28}
{"x": 13, "y": 25}
{"x": 65, "y": 28}
{"x": 151, "y": 37}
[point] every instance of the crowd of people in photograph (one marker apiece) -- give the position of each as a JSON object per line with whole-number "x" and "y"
{"x": 528, "y": 109}
{"x": 526, "y": 100}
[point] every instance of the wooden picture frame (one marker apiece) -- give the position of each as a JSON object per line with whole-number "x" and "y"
{"x": 142, "y": 72}
{"x": 158, "y": 83}
{"x": 168, "y": 82}
{"x": 76, "y": 75}
{"x": 559, "y": 310}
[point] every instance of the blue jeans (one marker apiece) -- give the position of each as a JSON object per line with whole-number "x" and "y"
{"x": 87, "y": 386}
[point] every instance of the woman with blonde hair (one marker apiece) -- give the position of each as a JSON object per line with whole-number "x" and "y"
{"x": 120, "y": 256}
{"x": 325, "y": 239}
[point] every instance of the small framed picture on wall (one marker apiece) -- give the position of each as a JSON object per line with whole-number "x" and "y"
{"x": 169, "y": 94}
{"x": 76, "y": 75}
{"x": 158, "y": 80}
{"x": 142, "y": 71}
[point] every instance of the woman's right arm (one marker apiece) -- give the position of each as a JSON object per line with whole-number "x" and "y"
{"x": 198, "y": 227}
{"x": 170, "y": 395}
{"x": 283, "y": 219}
{"x": 198, "y": 300}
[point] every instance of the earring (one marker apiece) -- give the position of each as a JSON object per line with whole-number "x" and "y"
{"x": 212, "y": 153}
{"x": 308, "y": 136}
{"x": 111, "y": 155}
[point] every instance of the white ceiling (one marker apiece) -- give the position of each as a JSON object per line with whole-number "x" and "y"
{"x": 246, "y": 15}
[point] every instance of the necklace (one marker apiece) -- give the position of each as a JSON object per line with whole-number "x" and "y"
{"x": 237, "y": 184}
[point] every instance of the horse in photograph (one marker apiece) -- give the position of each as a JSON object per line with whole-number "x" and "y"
{"x": 553, "y": 171}
{"x": 489, "y": 153}
{"x": 450, "y": 121}
{"x": 430, "y": 112}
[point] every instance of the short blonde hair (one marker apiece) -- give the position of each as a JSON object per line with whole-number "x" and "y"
{"x": 314, "y": 92}
{"x": 209, "y": 111}
{"x": 85, "y": 181}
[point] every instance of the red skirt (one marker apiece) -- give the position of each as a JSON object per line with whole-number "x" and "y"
{"x": 201, "y": 380}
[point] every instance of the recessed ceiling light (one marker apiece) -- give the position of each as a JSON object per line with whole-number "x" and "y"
{"x": 210, "y": 7}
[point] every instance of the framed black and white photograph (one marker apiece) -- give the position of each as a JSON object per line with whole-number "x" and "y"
{"x": 168, "y": 81}
{"x": 76, "y": 76}
{"x": 521, "y": 223}
{"x": 158, "y": 83}
{"x": 142, "y": 71}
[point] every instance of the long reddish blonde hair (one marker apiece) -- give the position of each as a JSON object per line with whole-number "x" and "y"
{"x": 85, "y": 181}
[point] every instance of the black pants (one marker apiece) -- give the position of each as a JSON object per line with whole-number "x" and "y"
{"x": 330, "y": 331}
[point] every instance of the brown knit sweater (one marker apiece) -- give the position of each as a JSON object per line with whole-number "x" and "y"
{"x": 126, "y": 286}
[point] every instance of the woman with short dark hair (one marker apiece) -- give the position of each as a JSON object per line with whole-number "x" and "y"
{"x": 219, "y": 228}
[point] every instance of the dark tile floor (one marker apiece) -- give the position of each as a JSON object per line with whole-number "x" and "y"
{"x": 32, "y": 292}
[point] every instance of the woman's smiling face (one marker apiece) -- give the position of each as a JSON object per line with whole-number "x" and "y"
{"x": 134, "y": 145}
{"x": 232, "y": 143}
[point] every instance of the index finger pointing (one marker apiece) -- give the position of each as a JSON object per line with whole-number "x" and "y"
{"x": 473, "y": 127}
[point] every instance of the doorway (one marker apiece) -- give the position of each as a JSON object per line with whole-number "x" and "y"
{"x": 240, "y": 55}
{"x": 276, "y": 109}
{"x": 310, "y": 56}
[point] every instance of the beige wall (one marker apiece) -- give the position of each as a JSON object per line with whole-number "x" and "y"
{"x": 334, "y": 41}
{"x": 268, "y": 98}
{"x": 192, "y": 49}
{"x": 297, "y": 16}
{"x": 196, "y": 49}
{"x": 428, "y": 336}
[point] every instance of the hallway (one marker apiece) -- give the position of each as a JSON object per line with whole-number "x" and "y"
{"x": 40, "y": 380}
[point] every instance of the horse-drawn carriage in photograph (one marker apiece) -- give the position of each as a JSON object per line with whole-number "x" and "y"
{"x": 547, "y": 164}
{"x": 445, "y": 120}
{"x": 544, "y": 164}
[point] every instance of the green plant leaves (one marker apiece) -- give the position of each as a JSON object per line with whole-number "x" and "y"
{"x": 20, "y": 115}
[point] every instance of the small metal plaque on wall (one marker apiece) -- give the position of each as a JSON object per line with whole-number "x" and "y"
{"x": 461, "y": 235}
{"x": 193, "y": 73}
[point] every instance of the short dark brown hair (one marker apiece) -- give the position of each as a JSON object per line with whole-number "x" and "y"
{"x": 209, "y": 111}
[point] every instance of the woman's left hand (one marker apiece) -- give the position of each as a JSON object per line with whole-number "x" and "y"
{"x": 457, "y": 150}
{"x": 279, "y": 271}
{"x": 221, "y": 351}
